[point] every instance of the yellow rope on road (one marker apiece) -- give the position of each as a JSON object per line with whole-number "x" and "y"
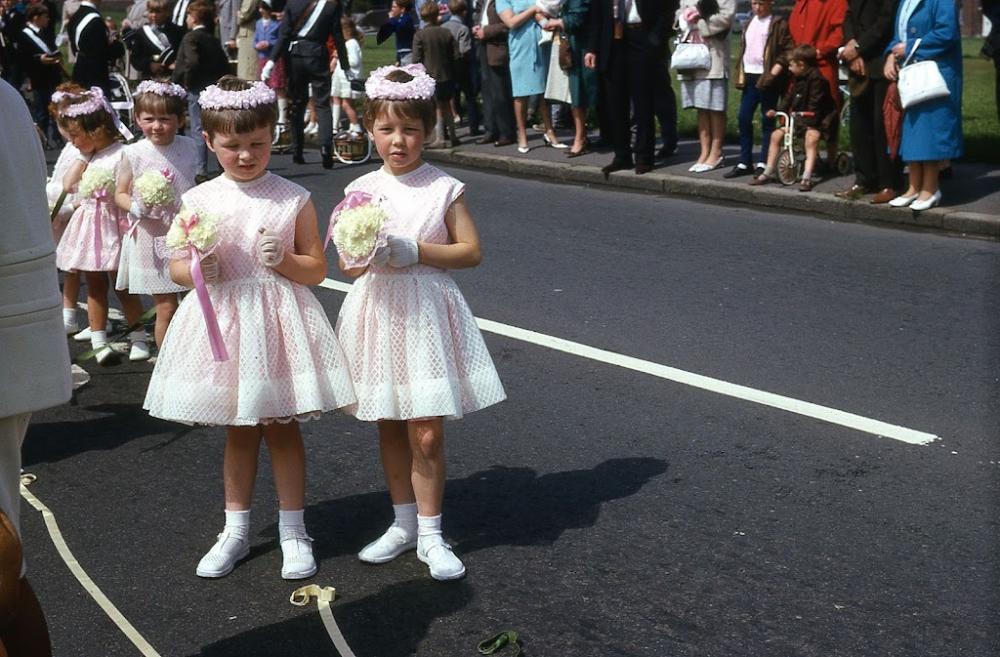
{"x": 88, "y": 584}
{"x": 324, "y": 596}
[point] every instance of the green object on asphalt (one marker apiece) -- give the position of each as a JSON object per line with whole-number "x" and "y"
{"x": 145, "y": 319}
{"x": 495, "y": 643}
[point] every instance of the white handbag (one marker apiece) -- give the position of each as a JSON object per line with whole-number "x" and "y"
{"x": 689, "y": 56}
{"x": 920, "y": 81}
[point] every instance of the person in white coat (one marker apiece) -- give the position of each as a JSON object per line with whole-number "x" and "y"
{"x": 34, "y": 366}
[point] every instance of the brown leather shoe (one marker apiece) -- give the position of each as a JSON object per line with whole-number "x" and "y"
{"x": 642, "y": 167}
{"x": 503, "y": 141}
{"x": 853, "y": 194}
{"x": 764, "y": 179}
{"x": 884, "y": 196}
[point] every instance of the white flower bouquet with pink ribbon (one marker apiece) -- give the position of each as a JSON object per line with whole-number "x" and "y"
{"x": 197, "y": 233}
{"x": 156, "y": 192}
{"x": 98, "y": 183}
{"x": 357, "y": 227}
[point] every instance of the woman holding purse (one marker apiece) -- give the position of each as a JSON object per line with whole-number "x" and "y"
{"x": 582, "y": 80}
{"x": 932, "y": 130}
{"x": 707, "y": 89}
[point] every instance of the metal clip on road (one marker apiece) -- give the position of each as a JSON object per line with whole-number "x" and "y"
{"x": 493, "y": 644}
{"x": 324, "y": 596}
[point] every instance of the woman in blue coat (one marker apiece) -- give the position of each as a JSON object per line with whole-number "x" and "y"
{"x": 932, "y": 130}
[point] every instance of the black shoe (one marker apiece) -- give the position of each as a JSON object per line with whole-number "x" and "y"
{"x": 615, "y": 165}
{"x": 326, "y": 156}
{"x": 485, "y": 139}
{"x": 737, "y": 171}
{"x": 298, "y": 159}
{"x": 642, "y": 167}
{"x": 665, "y": 152}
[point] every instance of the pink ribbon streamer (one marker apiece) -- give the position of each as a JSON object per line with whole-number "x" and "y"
{"x": 351, "y": 201}
{"x": 100, "y": 197}
{"x": 219, "y": 352}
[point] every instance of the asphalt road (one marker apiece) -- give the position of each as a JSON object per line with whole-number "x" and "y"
{"x": 600, "y": 511}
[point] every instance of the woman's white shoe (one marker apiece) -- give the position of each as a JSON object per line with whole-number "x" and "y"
{"x": 927, "y": 203}
{"x": 902, "y": 201}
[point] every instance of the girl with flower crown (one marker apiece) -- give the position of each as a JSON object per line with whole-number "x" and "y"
{"x": 415, "y": 352}
{"x": 253, "y": 350}
{"x": 91, "y": 243}
{"x": 155, "y": 172}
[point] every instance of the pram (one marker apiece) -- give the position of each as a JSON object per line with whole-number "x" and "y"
{"x": 121, "y": 99}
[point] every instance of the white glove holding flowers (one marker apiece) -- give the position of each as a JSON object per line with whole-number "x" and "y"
{"x": 210, "y": 268}
{"x": 381, "y": 256}
{"x": 265, "y": 73}
{"x": 403, "y": 251}
{"x": 270, "y": 248}
{"x": 136, "y": 210}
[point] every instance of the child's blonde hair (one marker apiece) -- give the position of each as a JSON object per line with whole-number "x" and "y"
{"x": 237, "y": 121}
{"x": 419, "y": 109}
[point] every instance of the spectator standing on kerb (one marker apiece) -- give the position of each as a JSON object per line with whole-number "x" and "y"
{"x": 41, "y": 61}
{"x": 403, "y": 24}
{"x": 437, "y": 50}
{"x": 93, "y": 46}
{"x": 466, "y": 72}
{"x": 229, "y": 22}
{"x": 246, "y": 46}
{"x": 498, "y": 103}
{"x": 868, "y": 28}
{"x": 991, "y": 47}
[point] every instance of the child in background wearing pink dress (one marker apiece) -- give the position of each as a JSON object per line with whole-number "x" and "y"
{"x": 415, "y": 351}
{"x": 159, "y": 109}
{"x": 92, "y": 241}
{"x": 284, "y": 362}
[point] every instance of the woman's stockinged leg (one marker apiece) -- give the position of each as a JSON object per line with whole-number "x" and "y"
{"x": 397, "y": 460}
{"x": 288, "y": 463}
{"x": 916, "y": 178}
{"x": 580, "y": 128}
{"x": 520, "y": 117}
{"x": 717, "y": 123}
{"x": 929, "y": 183}
{"x": 239, "y": 466}
{"x": 428, "y": 471}
{"x": 704, "y": 135}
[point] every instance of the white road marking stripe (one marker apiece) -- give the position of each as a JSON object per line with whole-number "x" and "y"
{"x": 808, "y": 409}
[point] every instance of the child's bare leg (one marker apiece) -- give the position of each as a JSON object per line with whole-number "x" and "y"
{"x": 71, "y": 289}
{"x": 131, "y": 306}
{"x": 397, "y": 461}
{"x": 97, "y": 299}
{"x": 239, "y": 466}
{"x": 166, "y": 306}
{"x": 349, "y": 110}
{"x": 774, "y": 150}
{"x": 426, "y": 439}
{"x": 812, "y": 152}
{"x": 288, "y": 463}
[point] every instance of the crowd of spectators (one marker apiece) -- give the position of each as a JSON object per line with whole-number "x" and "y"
{"x": 503, "y": 66}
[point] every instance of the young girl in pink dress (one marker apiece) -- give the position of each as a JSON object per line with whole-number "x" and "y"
{"x": 415, "y": 351}
{"x": 284, "y": 362}
{"x": 159, "y": 110}
{"x": 91, "y": 243}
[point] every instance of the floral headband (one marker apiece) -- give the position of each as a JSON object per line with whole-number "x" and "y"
{"x": 214, "y": 98}
{"x": 95, "y": 102}
{"x": 421, "y": 87}
{"x": 161, "y": 89}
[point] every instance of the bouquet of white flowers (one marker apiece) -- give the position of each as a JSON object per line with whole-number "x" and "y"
{"x": 97, "y": 182}
{"x": 358, "y": 229}
{"x": 193, "y": 229}
{"x": 156, "y": 190}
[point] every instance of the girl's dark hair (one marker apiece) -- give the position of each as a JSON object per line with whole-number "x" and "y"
{"x": 350, "y": 27}
{"x": 238, "y": 121}
{"x": 204, "y": 12}
{"x": 418, "y": 109}
{"x": 156, "y": 104}
{"x": 35, "y": 10}
{"x": 100, "y": 120}
{"x": 405, "y": 5}
{"x": 804, "y": 53}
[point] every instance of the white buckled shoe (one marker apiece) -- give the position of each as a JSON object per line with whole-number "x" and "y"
{"x": 139, "y": 351}
{"x": 443, "y": 563}
{"x": 221, "y": 559}
{"x": 394, "y": 542}
{"x": 297, "y": 561}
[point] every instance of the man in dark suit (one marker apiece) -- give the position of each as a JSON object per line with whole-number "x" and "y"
{"x": 178, "y": 15}
{"x": 627, "y": 44}
{"x": 93, "y": 46}
{"x": 498, "y": 99}
{"x": 41, "y": 61}
{"x": 305, "y": 27}
{"x": 868, "y": 29}
{"x": 154, "y": 45}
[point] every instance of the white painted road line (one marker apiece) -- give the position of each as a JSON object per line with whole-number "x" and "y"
{"x": 797, "y": 406}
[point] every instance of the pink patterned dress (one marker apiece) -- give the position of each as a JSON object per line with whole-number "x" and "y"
{"x": 285, "y": 362}
{"x": 413, "y": 344}
{"x": 143, "y": 269}
{"x": 92, "y": 240}
{"x": 54, "y": 188}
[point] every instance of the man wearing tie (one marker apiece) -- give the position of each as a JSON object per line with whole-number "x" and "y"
{"x": 627, "y": 44}
{"x": 93, "y": 47}
{"x": 305, "y": 27}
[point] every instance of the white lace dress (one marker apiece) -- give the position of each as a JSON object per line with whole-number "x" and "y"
{"x": 54, "y": 189}
{"x": 143, "y": 269}
{"x": 285, "y": 361}
{"x": 413, "y": 344}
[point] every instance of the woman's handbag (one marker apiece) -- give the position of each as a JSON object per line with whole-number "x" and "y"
{"x": 565, "y": 53}
{"x": 691, "y": 55}
{"x": 921, "y": 81}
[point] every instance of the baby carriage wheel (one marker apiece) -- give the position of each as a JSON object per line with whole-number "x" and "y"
{"x": 788, "y": 168}
{"x": 845, "y": 163}
{"x": 352, "y": 147}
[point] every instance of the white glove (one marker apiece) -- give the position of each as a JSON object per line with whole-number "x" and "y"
{"x": 381, "y": 256}
{"x": 135, "y": 211}
{"x": 210, "y": 268}
{"x": 403, "y": 251}
{"x": 270, "y": 248}
{"x": 265, "y": 73}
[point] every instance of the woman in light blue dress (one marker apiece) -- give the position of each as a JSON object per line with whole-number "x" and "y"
{"x": 529, "y": 66}
{"x": 932, "y": 130}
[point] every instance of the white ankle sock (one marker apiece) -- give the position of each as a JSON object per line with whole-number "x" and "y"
{"x": 768, "y": 171}
{"x": 406, "y": 517}
{"x": 98, "y": 339}
{"x": 238, "y": 522}
{"x": 69, "y": 314}
{"x": 428, "y": 526}
{"x": 137, "y": 336}
{"x": 355, "y": 127}
{"x": 291, "y": 518}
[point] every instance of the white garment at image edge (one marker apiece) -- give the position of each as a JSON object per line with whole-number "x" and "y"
{"x": 340, "y": 85}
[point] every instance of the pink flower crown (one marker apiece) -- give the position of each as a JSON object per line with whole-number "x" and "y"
{"x": 161, "y": 89}
{"x": 95, "y": 102}
{"x": 214, "y": 98}
{"x": 421, "y": 87}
